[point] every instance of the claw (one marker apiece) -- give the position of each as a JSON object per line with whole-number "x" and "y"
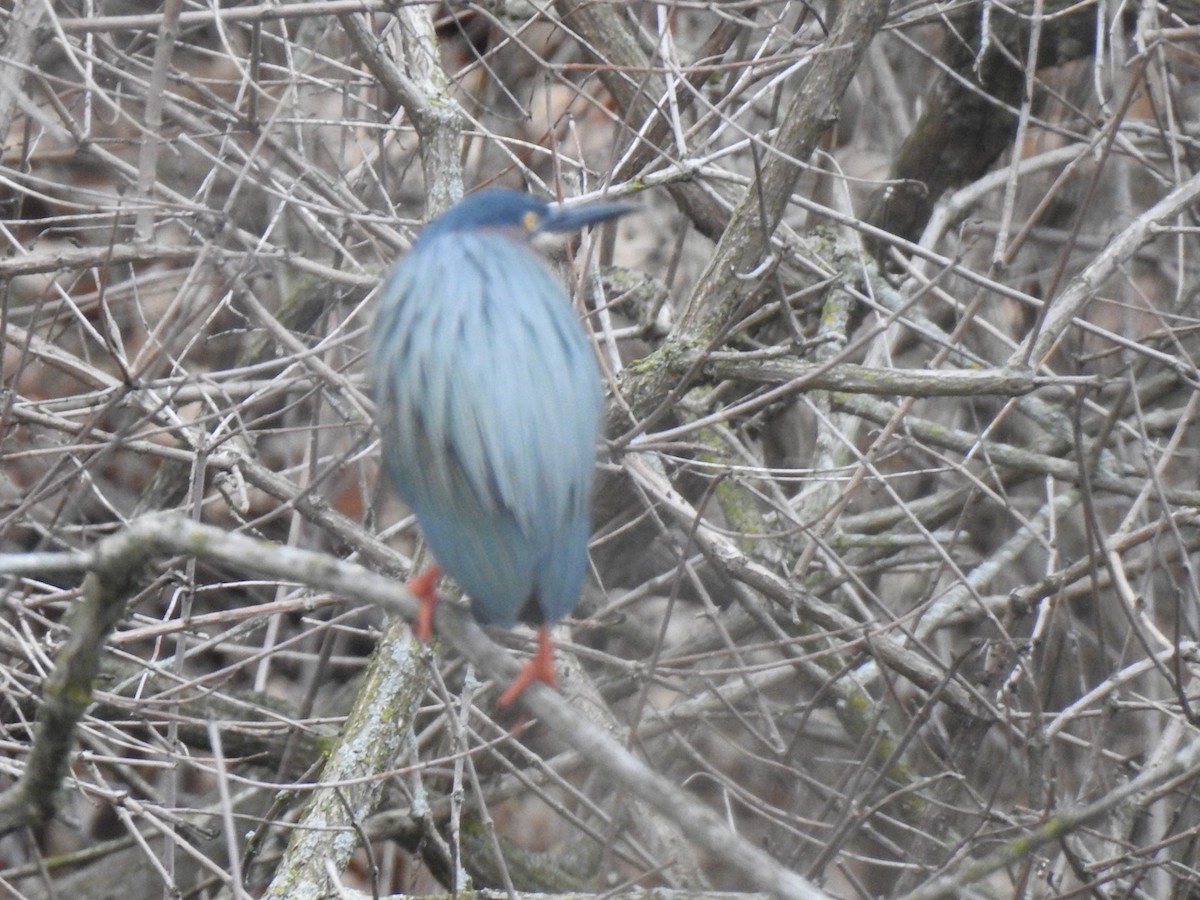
{"x": 424, "y": 588}
{"x": 540, "y": 667}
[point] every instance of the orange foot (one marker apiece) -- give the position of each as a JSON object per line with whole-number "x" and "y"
{"x": 539, "y": 668}
{"x": 424, "y": 588}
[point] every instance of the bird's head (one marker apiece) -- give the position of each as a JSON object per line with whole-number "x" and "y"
{"x": 522, "y": 216}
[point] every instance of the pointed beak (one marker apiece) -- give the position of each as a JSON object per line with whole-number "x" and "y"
{"x": 574, "y": 218}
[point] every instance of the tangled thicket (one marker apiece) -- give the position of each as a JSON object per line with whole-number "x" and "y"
{"x": 893, "y": 557}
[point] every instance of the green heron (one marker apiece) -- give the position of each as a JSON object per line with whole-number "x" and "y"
{"x": 489, "y": 404}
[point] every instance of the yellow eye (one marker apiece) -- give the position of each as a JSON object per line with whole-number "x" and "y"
{"x": 531, "y": 220}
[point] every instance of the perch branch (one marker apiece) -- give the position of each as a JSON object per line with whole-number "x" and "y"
{"x": 114, "y": 561}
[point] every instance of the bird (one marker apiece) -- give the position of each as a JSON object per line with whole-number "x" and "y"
{"x": 489, "y": 402}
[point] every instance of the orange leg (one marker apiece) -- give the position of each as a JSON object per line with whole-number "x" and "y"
{"x": 540, "y": 667}
{"x": 424, "y": 588}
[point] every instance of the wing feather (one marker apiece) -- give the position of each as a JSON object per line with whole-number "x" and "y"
{"x": 489, "y": 405}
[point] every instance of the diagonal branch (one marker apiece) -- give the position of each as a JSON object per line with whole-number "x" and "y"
{"x": 116, "y": 561}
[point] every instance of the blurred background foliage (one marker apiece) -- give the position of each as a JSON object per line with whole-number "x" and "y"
{"x": 896, "y": 526}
